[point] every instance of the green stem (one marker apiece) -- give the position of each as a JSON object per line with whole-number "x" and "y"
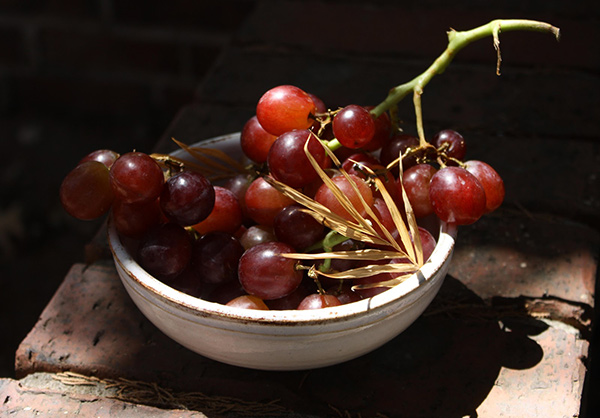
{"x": 456, "y": 42}
{"x": 326, "y": 244}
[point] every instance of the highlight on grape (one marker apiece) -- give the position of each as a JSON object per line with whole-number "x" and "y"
{"x": 329, "y": 207}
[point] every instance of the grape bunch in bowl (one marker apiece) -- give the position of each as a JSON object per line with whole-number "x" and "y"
{"x": 311, "y": 237}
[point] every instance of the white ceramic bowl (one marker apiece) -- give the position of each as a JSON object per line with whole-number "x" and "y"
{"x": 281, "y": 340}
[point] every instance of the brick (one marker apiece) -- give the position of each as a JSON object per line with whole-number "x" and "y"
{"x": 214, "y": 16}
{"x": 512, "y": 255}
{"x": 21, "y": 401}
{"x": 96, "y": 51}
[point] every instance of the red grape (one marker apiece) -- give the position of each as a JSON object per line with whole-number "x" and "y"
{"x": 248, "y": 302}
{"x": 165, "y": 251}
{"x": 226, "y": 215}
{"x": 288, "y": 162}
{"x": 187, "y": 198}
{"x": 257, "y": 234}
{"x": 383, "y": 131}
{"x": 457, "y": 196}
{"x": 263, "y": 272}
{"x": 86, "y": 192}
{"x": 491, "y": 182}
{"x": 297, "y": 228}
{"x": 263, "y": 201}
{"x": 187, "y": 282}
{"x": 320, "y": 109}
{"x": 255, "y": 141}
{"x": 104, "y": 156}
{"x": 415, "y": 181}
{"x": 359, "y": 157}
{"x": 396, "y": 146}
{"x": 216, "y": 256}
{"x": 453, "y": 143}
{"x": 225, "y": 292}
{"x": 326, "y": 197}
{"x": 136, "y": 178}
{"x": 343, "y": 291}
{"x": 427, "y": 243}
{"x": 292, "y": 300}
{"x": 353, "y": 126}
{"x": 285, "y": 108}
{"x": 134, "y": 219}
{"x": 318, "y": 301}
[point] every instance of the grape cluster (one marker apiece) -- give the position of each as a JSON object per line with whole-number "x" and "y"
{"x": 227, "y": 242}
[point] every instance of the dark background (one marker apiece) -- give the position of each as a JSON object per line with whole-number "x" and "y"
{"x": 76, "y": 76}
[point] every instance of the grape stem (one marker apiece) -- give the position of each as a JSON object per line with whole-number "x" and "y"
{"x": 457, "y": 41}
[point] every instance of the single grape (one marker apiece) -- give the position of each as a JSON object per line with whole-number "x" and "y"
{"x": 291, "y": 301}
{"x": 340, "y": 264}
{"x": 248, "y": 302}
{"x": 326, "y": 197}
{"x": 136, "y": 178}
{"x": 255, "y": 141}
{"x": 257, "y": 234}
{"x": 288, "y": 162}
{"x": 263, "y": 201}
{"x": 187, "y": 198}
{"x": 238, "y": 185}
{"x": 297, "y": 228}
{"x": 216, "y": 256}
{"x": 365, "y": 169}
{"x": 134, "y": 219}
{"x": 187, "y": 282}
{"x": 225, "y": 292}
{"x": 320, "y": 109}
{"x": 457, "y": 196}
{"x": 263, "y": 272}
{"x": 343, "y": 291}
{"x": 415, "y": 181}
{"x": 491, "y": 182}
{"x": 353, "y": 126}
{"x": 226, "y": 215}
{"x": 104, "y": 156}
{"x": 383, "y": 131}
{"x": 397, "y": 146}
{"x": 165, "y": 251}
{"x": 427, "y": 243}
{"x": 318, "y": 301}
{"x": 285, "y": 108}
{"x": 451, "y": 143}
{"x": 361, "y": 157}
{"x": 385, "y": 217}
{"x": 86, "y": 192}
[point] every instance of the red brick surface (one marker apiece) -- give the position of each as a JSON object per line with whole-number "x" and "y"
{"x": 21, "y": 401}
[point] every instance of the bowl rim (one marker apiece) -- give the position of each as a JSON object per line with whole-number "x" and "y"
{"x": 199, "y": 307}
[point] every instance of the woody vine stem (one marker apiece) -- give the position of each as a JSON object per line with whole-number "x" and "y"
{"x": 456, "y": 41}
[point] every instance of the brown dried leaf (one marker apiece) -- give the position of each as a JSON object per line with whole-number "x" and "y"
{"x": 213, "y": 158}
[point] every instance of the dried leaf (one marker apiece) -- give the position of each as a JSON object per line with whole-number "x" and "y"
{"x": 218, "y": 161}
